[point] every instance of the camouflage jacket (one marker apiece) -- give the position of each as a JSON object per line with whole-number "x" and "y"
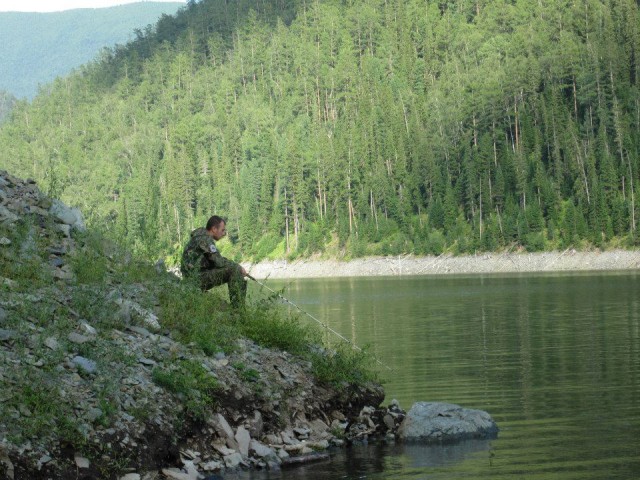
{"x": 202, "y": 254}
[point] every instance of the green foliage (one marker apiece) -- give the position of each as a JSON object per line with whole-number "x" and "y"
{"x": 203, "y": 319}
{"x": 191, "y": 381}
{"x": 23, "y": 258}
{"x": 197, "y": 318}
{"x": 343, "y": 365}
{"x": 268, "y": 325}
{"x": 7, "y": 101}
{"x": 42, "y": 413}
{"x": 248, "y": 374}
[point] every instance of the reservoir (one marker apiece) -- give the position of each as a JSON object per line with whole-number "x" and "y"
{"x": 554, "y": 358}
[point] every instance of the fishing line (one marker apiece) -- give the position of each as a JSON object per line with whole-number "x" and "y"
{"x": 338, "y": 334}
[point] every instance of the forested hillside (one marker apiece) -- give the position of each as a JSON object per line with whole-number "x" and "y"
{"x": 6, "y": 104}
{"x": 371, "y": 126}
{"x": 35, "y": 48}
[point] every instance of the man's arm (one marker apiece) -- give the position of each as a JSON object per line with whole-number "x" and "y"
{"x": 216, "y": 260}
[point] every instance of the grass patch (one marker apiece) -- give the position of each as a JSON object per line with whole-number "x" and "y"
{"x": 247, "y": 374}
{"x": 343, "y": 364}
{"x": 197, "y": 318}
{"x": 191, "y": 381}
{"x": 24, "y": 257}
{"x": 270, "y": 326}
{"x": 38, "y": 411}
{"x": 204, "y": 320}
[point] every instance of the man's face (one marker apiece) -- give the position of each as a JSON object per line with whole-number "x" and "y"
{"x": 218, "y": 231}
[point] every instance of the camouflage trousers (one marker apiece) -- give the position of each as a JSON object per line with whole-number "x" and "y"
{"x": 232, "y": 276}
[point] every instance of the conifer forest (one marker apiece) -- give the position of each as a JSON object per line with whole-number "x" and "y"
{"x": 352, "y": 127}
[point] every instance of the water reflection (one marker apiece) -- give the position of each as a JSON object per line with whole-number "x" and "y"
{"x": 377, "y": 461}
{"x": 555, "y": 358}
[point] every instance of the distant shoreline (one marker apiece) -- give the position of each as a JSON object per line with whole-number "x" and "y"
{"x": 446, "y": 264}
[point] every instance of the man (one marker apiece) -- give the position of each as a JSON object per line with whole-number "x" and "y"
{"x": 202, "y": 260}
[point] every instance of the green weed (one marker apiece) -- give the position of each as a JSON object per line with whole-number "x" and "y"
{"x": 343, "y": 364}
{"x": 247, "y": 374}
{"x": 191, "y": 381}
{"x": 43, "y": 413}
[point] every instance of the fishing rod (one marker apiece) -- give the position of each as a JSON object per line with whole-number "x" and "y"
{"x": 338, "y": 334}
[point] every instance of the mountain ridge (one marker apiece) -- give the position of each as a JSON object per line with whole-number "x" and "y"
{"x": 27, "y": 60}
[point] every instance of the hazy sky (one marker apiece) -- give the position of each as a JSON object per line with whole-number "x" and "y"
{"x": 59, "y": 5}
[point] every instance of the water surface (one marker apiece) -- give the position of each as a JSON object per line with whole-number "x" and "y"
{"x": 555, "y": 359}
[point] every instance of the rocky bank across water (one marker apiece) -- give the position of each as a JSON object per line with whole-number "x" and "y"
{"x": 508, "y": 262}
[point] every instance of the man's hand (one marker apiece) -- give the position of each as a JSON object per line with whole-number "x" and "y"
{"x": 244, "y": 272}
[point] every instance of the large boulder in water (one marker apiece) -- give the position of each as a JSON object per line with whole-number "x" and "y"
{"x": 435, "y": 422}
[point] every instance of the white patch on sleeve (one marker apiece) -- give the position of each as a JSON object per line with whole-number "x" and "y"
{"x": 212, "y": 248}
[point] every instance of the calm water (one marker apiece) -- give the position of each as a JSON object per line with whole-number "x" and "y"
{"x": 554, "y": 358}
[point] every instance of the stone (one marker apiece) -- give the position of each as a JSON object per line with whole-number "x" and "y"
{"x": 233, "y": 461}
{"x": 288, "y": 438}
{"x": 94, "y": 413}
{"x": 256, "y": 425}
{"x": 318, "y": 427}
{"x": 56, "y": 262}
{"x": 81, "y": 462}
{"x": 190, "y": 454}
{"x": 260, "y": 449}
{"x": 7, "y": 465}
{"x": 212, "y": 466}
{"x": 88, "y": 329}
{"x": 130, "y": 309}
{"x": 223, "y": 449}
{"x": 38, "y": 211}
{"x": 68, "y": 216}
{"x": 272, "y": 439}
{"x": 302, "y": 432}
{"x": 84, "y": 364}
{"x": 431, "y": 422}
{"x": 319, "y": 445}
{"x": 52, "y": 343}
{"x": 389, "y": 422}
{"x": 75, "y": 337}
{"x": 63, "y": 273}
{"x": 177, "y": 474}
{"x": 224, "y": 430}
{"x": 6, "y": 215}
{"x": 7, "y": 282}
{"x": 191, "y": 469}
{"x": 3, "y": 314}
{"x": 337, "y": 415}
{"x": 6, "y": 335}
{"x": 243, "y": 438}
{"x": 5, "y": 241}
{"x": 139, "y": 330}
{"x": 64, "y": 229}
{"x": 130, "y": 476}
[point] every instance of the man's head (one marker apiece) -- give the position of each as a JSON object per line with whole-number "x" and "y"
{"x": 216, "y": 227}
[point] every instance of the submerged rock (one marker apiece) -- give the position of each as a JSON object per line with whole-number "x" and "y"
{"x": 445, "y": 422}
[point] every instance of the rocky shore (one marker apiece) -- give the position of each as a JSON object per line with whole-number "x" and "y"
{"x": 101, "y": 378}
{"x": 98, "y": 381}
{"x": 508, "y": 262}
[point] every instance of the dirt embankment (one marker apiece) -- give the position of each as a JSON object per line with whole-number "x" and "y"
{"x": 567, "y": 260}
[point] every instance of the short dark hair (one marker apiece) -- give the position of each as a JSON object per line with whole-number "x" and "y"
{"x": 215, "y": 221}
